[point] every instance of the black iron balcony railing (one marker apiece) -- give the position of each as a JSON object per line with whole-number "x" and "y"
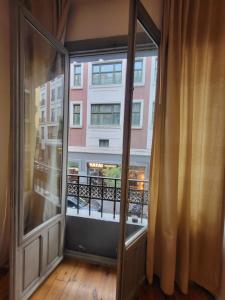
{"x": 107, "y": 192}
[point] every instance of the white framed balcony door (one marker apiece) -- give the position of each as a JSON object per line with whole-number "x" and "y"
{"x": 143, "y": 41}
{"x": 39, "y": 146}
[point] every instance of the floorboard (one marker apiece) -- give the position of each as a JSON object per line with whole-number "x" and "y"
{"x": 78, "y": 280}
{"x": 4, "y": 287}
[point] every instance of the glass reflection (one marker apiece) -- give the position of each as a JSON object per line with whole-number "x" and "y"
{"x": 43, "y": 129}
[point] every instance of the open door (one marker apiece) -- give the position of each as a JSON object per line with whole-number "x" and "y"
{"x": 143, "y": 42}
{"x": 39, "y": 145}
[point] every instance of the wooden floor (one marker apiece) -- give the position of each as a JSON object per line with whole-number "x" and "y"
{"x": 4, "y": 287}
{"x": 74, "y": 280}
{"x": 154, "y": 293}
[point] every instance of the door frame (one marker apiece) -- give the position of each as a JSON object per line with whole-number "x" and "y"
{"x": 18, "y": 13}
{"x": 137, "y": 12}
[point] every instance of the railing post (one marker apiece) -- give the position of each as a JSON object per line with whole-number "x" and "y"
{"x": 102, "y": 197}
{"x": 78, "y": 194}
{"x": 114, "y": 204}
{"x": 90, "y": 196}
{"x": 142, "y": 203}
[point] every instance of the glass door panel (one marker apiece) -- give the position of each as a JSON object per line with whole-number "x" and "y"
{"x": 40, "y": 105}
{"x": 43, "y": 90}
{"x": 137, "y": 143}
{"x": 141, "y": 129}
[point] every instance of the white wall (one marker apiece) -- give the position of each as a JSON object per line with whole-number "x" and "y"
{"x": 103, "y": 18}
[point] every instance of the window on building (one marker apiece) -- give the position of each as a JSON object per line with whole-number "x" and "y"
{"x": 42, "y": 98}
{"x": 77, "y": 75}
{"x": 105, "y": 114}
{"x": 138, "y": 71}
{"x": 59, "y": 114}
{"x": 136, "y": 114}
{"x": 42, "y": 133}
{"x": 53, "y": 115}
{"x": 53, "y": 132}
{"x": 59, "y": 92}
{"x": 53, "y": 95}
{"x": 107, "y": 73}
{"x": 76, "y": 115}
{"x": 42, "y": 116}
{"x": 103, "y": 143}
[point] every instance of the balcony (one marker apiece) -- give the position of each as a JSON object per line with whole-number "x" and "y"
{"x": 99, "y": 197}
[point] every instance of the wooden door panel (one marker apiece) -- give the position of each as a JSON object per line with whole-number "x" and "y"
{"x": 31, "y": 258}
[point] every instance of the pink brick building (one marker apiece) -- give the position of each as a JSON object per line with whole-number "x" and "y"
{"x": 97, "y": 92}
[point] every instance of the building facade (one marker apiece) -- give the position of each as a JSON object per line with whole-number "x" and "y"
{"x": 97, "y": 93}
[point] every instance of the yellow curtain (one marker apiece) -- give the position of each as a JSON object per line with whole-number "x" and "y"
{"x": 188, "y": 158}
{"x": 52, "y": 14}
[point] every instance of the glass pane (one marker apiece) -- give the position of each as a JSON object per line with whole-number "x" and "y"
{"x": 136, "y": 119}
{"x": 141, "y": 136}
{"x": 118, "y": 77}
{"x": 105, "y": 108}
{"x": 76, "y": 108}
{"x": 107, "y": 68}
{"x": 136, "y": 107}
{"x": 106, "y": 78}
{"x": 96, "y": 79}
{"x": 138, "y": 65}
{"x": 96, "y": 69}
{"x": 77, "y": 80}
{"x": 76, "y": 119}
{"x": 77, "y": 69}
{"x": 42, "y": 152}
{"x": 118, "y": 67}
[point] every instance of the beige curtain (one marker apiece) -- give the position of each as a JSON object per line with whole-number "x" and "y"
{"x": 52, "y": 14}
{"x": 188, "y": 157}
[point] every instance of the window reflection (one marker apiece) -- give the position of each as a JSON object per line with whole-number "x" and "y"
{"x": 43, "y": 124}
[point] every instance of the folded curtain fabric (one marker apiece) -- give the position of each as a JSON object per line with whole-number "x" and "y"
{"x": 188, "y": 157}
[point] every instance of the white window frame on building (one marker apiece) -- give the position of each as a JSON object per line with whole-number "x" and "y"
{"x": 142, "y": 82}
{"x": 140, "y": 126}
{"x": 72, "y": 103}
{"x": 54, "y": 115}
{"x": 43, "y": 95}
{"x": 52, "y": 139}
{"x": 72, "y": 76}
{"x": 104, "y": 125}
{"x": 43, "y": 120}
{"x": 42, "y": 133}
{"x": 103, "y": 143}
{"x": 106, "y": 62}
